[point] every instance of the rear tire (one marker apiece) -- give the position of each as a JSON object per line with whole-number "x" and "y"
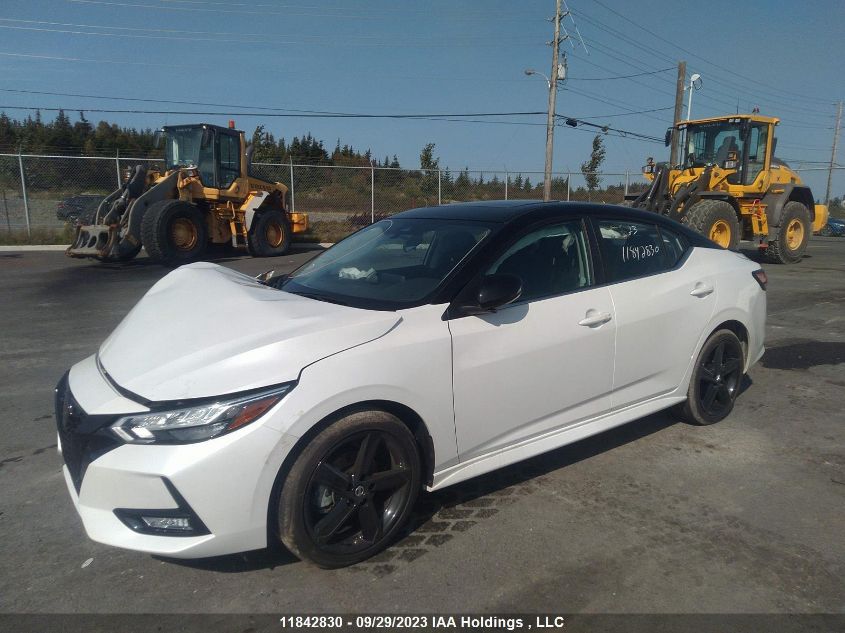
{"x": 350, "y": 490}
{"x": 794, "y": 234}
{"x": 174, "y": 232}
{"x": 715, "y": 220}
{"x": 715, "y": 381}
{"x": 825, "y": 231}
{"x": 270, "y": 233}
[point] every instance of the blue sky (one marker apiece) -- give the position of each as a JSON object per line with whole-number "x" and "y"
{"x": 436, "y": 56}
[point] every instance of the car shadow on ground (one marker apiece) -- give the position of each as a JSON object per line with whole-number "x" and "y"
{"x": 803, "y": 354}
{"x": 440, "y": 505}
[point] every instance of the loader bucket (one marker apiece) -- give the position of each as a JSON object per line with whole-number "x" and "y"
{"x": 94, "y": 240}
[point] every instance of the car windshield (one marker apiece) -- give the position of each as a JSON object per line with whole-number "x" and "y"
{"x": 393, "y": 264}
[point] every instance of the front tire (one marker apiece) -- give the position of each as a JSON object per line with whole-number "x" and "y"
{"x": 715, "y": 220}
{"x": 715, "y": 381}
{"x": 174, "y": 232}
{"x": 795, "y": 228}
{"x": 269, "y": 235}
{"x": 350, "y": 491}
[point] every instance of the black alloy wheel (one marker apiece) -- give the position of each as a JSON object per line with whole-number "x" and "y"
{"x": 719, "y": 378}
{"x": 350, "y": 490}
{"x": 716, "y": 380}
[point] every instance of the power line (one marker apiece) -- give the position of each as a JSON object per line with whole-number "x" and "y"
{"x": 607, "y": 116}
{"x": 663, "y": 70}
{"x": 776, "y": 90}
{"x": 615, "y": 104}
{"x": 307, "y": 10}
{"x": 413, "y": 117}
{"x": 77, "y": 59}
{"x": 757, "y": 96}
{"x": 250, "y": 39}
{"x": 606, "y": 128}
{"x": 289, "y": 111}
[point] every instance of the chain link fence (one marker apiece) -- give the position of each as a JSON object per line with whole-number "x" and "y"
{"x": 45, "y": 193}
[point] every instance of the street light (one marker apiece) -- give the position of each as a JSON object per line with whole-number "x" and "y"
{"x": 531, "y": 71}
{"x": 694, "y": 82}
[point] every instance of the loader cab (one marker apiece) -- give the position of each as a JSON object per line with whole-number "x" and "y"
{"x": 215, "y": 152}
{"x": 741, "y": 144}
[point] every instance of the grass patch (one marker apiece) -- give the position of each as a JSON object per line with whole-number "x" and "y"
{"x": 40, "y": 235}
{"x": 322, "y": 231}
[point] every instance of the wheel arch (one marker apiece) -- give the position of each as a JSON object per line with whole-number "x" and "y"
{"x": 724, "y": 197}
{"x": 738, "y": 328}
{"x": 776, "y": 198}
{"x": 404, "y": 413}
{"x": 805, "y": 197}
{"x": 732, "y": 320}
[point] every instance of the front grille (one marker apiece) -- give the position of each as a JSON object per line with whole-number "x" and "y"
{"x": 84, "y": 437}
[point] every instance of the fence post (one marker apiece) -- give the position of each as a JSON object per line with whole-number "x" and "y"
{"x": 568, "y": 184}
{"x": 627, "y": 176}
{"x": 507, "y": 177}
{"x": 23, "y": 191}
{"x": 439, "y": 202}
{"x": 372, "y": 195}
{"x": 117, "y": 165}
{"x": 292, "y": 196}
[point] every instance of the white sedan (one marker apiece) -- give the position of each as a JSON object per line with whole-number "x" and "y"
{"x": 225, "y": 412}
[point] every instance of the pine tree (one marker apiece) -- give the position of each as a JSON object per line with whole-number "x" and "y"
{"x": 591, "y": 168}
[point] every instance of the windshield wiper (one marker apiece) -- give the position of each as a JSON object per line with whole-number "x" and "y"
{"x": 319, "y": 297}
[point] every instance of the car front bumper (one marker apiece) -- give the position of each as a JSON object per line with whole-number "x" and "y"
{"x": 222, "y": 486}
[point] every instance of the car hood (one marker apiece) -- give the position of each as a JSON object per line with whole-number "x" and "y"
{"x": 204, "y": 330}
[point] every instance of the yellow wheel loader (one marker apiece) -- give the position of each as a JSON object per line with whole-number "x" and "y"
{"x": 205, "y": 195}
{"x": 729, "y": 186}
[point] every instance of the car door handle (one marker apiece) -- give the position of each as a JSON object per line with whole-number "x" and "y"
{"x": 701, "y": 290}
{"x": 594, "y": 318}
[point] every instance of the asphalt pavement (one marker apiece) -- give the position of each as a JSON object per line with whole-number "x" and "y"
{"x": 746, "y": 516}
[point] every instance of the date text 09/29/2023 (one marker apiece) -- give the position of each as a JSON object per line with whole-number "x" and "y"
{"x": 463, "y": 622}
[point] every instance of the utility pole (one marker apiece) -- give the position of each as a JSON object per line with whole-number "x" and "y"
{"x": 679, "y": 105}
{"x": 550, "y": 121}
{"x": 833, "y": 152}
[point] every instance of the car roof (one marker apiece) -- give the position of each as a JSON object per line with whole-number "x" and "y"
{"x": 522, "y": 212}
{"x": 487, "y": 210}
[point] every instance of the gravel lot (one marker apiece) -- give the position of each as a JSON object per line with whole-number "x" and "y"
{"x": 746, "y": 516}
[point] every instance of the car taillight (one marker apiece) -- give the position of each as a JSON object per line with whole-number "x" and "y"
{"x": 761, "y": 277}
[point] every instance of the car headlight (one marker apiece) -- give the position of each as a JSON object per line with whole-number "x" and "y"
{"x": 198, "y": 422}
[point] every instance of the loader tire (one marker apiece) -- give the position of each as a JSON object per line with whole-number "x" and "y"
{"x": 795, "y": 228}
{"x": 715, "y": 220}
{"x": 174, "y": 232}
{"x": 269, "y": 235}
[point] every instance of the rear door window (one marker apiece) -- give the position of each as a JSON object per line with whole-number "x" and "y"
{"x": 630, "y": 249}
{"x": 674, "y": 247}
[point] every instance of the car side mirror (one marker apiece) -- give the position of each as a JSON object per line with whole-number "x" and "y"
{"x": 489, "y": 294}
{"x": 494, "y": 291}
{"x": 667, "y": 140}
{"x": 498, "y": 290}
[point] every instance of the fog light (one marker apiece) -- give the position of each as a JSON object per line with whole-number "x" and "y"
{"x": 180, "y": 524}
{"x": 178, "y": 521}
